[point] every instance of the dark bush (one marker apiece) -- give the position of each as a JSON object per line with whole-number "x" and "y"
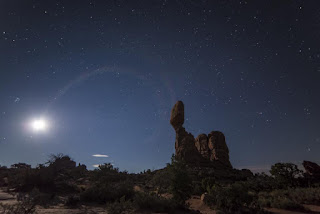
{"x": 120, "y": 206}
{"x": 286, "y": 175}
{"x": 161, "y": 180}
{"x": 207, "y": 183}
{"x": 181, "y": 183}
{"x": 154, "y": 203}
{"x": 41, "y": 198}
{"x": 25, "y": 205}
{"x": 290, "y": 198}
{"x": 58, "y": 175}
{"x": 19, "y": 208}
{"x": 72, "y": 201}
{"x": 111, "y": 192}
{"x": 260, "y": 182}
{"x": 234, "y": 198}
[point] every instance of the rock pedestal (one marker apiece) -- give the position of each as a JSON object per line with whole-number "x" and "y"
{"x": 185, "y": 142}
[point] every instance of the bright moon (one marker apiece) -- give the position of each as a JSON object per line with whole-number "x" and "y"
{"x": 39, "y": 125}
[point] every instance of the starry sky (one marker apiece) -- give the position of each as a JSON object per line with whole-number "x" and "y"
{"x": 105, "y": 75}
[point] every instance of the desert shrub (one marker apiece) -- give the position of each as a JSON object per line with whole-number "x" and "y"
{"x": 18, "y": 178}
{"x": 120, "y": 206}
{"x": 305, "y": 195}
{"x": 25, "y": 205}
{"x": 181, "y": 183}
{"x": 287, "y": 204}
{"x": 40, "y": 198}
{"x": 146, "y": 202}
{"x": 45, "y": 179}
{"x": 161, "y": 180}
{"x": 57, "y": 175}
{"x": 72, "y": 201}
{"x": 106, "y": 173}
{"x": 286, "y": 175}
{"x": 94, "y": 194}
{"x": 234, "y": 198}
{"x": 197, "y": 188}
{"x": 278, "y": 199}
{"x": 261, "y": 182}
{"x": 154, "y": 203}
{"x": 19, "y": 208}
{"x": 290, "y": 198}
{"x": 207, "y": 183}
{"x": 108, "y": 192}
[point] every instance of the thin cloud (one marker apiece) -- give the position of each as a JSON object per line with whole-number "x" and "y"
{"x": 100, "y": 156}
{"x": 96, "y": 165}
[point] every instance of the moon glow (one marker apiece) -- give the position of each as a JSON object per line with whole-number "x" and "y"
{"x": 39, "y": 125}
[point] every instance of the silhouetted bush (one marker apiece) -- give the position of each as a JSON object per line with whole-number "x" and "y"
{"x": 260, "y": 182}
{"x": 285, "y": 174}
{"x": 19, "y": 208}
{"x": 197, "y": 188}
{"x": 25, "y": 205}
{"x": 290, "y": 198}
{"x": 305, "y": 195}
{"x": 234, "y": 198}
{"x": 120, "y": 206}
{"x": 72, "y": 201}
{"x": 154, "y": 203}
{"x": 278, "y": 199}
{"x": 105, "y": 193}
{"x": 181, "y": 183}
{"x": 109, "y": 184}
{"x": 161, "y": 180}
{"x": 207, "y": 183}
{"x": 143, "y": 202}
{"x": 39, "y": 198}
{"x": 58, "y": 175}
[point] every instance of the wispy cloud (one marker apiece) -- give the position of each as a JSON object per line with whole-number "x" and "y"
{"x": 96, "y": 165}
{"x": 100, "y": 156}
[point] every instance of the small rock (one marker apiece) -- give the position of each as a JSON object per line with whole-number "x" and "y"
{"x": 203, "y": 196}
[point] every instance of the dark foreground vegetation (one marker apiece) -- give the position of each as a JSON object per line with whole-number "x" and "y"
{"x": 161, "y": 191}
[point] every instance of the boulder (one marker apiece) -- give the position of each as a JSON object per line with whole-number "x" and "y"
{"x": 204, "y": 197}
{"x": 177, "y": 115}
{"x": 311, "y": 168}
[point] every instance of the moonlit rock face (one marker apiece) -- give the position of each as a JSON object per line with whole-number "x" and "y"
{"x": 39, "y": 125}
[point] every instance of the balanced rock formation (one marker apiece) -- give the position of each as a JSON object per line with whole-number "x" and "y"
{"x": 185, "y": 142}
{"x": 204, "y": 150}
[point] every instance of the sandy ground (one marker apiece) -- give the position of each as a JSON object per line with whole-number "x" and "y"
{"x": 313, "y": 208}
{"x": 197, "y": 204}
{"x": 6, "y": 198}
{"x": 63, "y": 210}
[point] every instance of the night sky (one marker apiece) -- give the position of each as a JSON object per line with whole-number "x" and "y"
{"x": 104, "y": 75}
